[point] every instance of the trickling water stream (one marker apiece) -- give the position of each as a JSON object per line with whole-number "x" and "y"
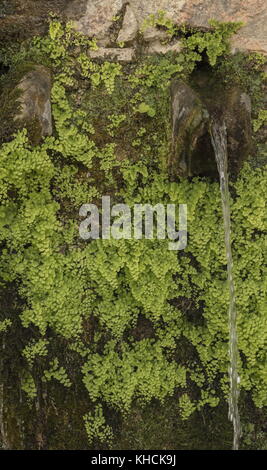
{"x": 219, "y": 142}
{"x": 3, "y": 435}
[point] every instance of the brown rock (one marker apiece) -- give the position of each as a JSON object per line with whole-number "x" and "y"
{"x": 233, "y": 106}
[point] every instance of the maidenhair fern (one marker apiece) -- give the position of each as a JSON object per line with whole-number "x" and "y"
{"x": 144, "y": 301}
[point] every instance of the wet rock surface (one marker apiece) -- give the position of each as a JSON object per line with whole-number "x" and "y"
{"x": 193, "y": 110}
{"x": 21, "y": 19}
{"x": 237, "y": 116}
{"x": 192, "y": 151}
{"x": 232, "y": 105}
{"x": 35, "y": 102}
{"x": 189, "y": 118}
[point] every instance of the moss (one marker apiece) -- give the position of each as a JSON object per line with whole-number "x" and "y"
{"x": 158, "y": 426}
{"x": 99, "y": 106}
{"x": 248, "y": 71}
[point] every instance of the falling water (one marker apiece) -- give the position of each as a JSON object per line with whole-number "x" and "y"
{"x": 219, "y": 142}
{"x": 3, "y": 435}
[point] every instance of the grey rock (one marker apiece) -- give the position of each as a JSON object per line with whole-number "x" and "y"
{"x": 154, "y": 34}
{"x": 94, "y": 17}
{"x": 35, "y": 100}
{"x": 23, "y": 19}
{"x": 189, "y": 119}
{"x": 197, "y": 13}
{"x": 158, "y": 47}
{"x": 236, "y": 111}
{"x": 129, "y": 27}
{"x": 126, "y": 54}
{"x": 192, "y": 113}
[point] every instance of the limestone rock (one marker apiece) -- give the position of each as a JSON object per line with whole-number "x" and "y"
{"x": 129, "y": 27}
{"x": 126, "y": 54}
{"x": 21, "y": 19}
{"x": 158, "y": 47}
{"x": 197, "y": 13}
{"x": 154, "y": 34}
{"x": 223, "y": 103}
{"x": 237, "y": 115}
{"x": 192, "y": 113}
{"x": 35, "y": 101}
{"x": 189, "y": 118}
{"x": 94, "y": 17}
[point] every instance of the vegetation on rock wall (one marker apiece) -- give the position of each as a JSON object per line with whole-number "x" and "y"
{"x": 141, "y": 322}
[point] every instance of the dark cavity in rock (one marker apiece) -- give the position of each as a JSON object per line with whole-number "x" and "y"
{"x": 193, "y": 109}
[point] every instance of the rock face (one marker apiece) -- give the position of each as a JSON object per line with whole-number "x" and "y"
{"x": 94, "y": 17}
{"x": 126, "y": 54}
{"x": 189, "y": 119}
{"x": 129, "y": 28}
{"x": 23, "y": 18}
{"x": 252, "y": 37}
{"x": 233, "y": 106}
{"x": 192, "y": 112}
{"x": 35, "y": 102}
{"x": 157, "y": 47}
{"x": 236, "y": 113}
